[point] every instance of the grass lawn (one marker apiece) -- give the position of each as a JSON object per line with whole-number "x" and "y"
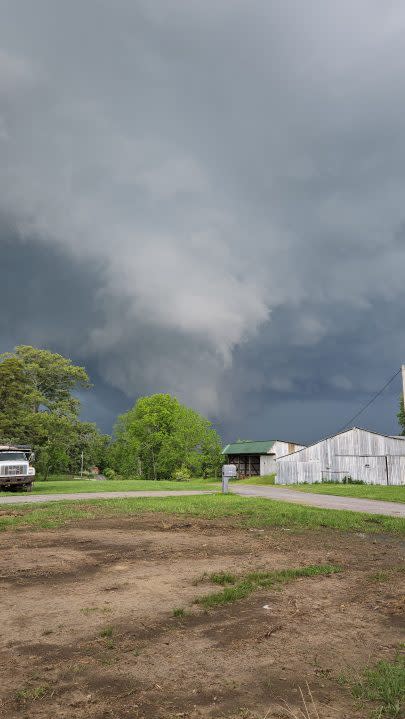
{"x": 69, "y": 486}
{"x": 260, "y": 481}
{"x": 363, "y": 491}
{"x": 245, "y": 511}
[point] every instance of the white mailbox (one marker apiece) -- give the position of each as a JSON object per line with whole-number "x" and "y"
{"x": 228, "y": 470}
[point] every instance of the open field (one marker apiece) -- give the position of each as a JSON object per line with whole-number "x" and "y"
{"x": 100, "y": 620}
{"x": 70, "y": 486}
{"x": 63, "y": 485}
{"x": 364, "y": 491}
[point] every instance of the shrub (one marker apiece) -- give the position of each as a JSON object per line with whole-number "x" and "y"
{"x": 182, "y": 474}
{"x": 349, "y": 480}
{"x": 111, "y": 474}
{"x": 344, "y": 480}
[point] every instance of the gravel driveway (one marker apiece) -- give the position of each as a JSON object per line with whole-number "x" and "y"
{"x": 39, "y": 498}
{"x": 325, "y": 501}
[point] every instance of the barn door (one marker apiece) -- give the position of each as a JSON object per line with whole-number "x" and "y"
{"x": 395, "y": 469}
{"x": 401, "y": 473}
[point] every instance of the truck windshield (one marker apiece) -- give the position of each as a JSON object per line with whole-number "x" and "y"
{"x": 12, "y": 456}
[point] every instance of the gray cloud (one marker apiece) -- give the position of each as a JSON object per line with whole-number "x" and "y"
{"x": 224, "y": 183}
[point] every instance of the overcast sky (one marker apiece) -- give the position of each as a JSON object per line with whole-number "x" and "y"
{"x": 208, "y": 199}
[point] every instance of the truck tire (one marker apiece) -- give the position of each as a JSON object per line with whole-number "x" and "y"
{"x": 28, "y": 487}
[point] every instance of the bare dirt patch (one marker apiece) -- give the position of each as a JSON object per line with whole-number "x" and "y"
{"x": 88, "y": 629}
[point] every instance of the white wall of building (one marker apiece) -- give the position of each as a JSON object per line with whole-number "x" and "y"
{"x": 268, "y": 464}
{"x": 366, "y": 456}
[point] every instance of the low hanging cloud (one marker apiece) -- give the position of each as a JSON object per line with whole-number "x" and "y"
{"x": 225, "y": 182}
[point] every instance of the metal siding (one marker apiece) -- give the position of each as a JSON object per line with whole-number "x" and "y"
{"x": 268, "y": 465}
{"x": 349, "y": 454}
{"x": 287, "y": 472}
{"x": 298, "y": 472}
{"x": 309, "y": 471}
{"x": 280, "y": 448}
{"x": 396, "y": 470}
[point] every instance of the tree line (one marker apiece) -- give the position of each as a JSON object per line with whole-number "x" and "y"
{"x": 159, "y": 438}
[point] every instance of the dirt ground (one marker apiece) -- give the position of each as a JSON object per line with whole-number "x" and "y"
{"x": 88, "y": 628}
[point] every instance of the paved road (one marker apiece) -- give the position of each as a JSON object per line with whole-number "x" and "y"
{"x": 326, "y": 501}
{"x": 39, "y": 498}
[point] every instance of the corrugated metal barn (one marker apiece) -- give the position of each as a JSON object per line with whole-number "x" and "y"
{"x": 356, "y": 453}
{"x": 253, "y": 459}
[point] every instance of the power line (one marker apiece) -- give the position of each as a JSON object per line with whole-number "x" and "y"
{"x": 349, "y": 423}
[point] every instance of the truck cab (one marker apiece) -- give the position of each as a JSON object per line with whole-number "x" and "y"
{"x": 16, "y": 471}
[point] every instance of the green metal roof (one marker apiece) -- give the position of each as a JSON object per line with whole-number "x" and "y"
{"x": 262, "y": 447}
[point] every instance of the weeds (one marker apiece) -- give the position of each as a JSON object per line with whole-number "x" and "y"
{"x": 32, "y": 693}
{"x": 254, "y": 581}
{"x": 108, "y": 661}
{"x": 179, "y": 612}
{"x": 384, "y": 684}
{"x": 222, "y": 578}
{"x": 308, "y": 709}
{"x": 379, "y": 577}
{"x": 91, "y": 610}
{"x": 106, "y": 632}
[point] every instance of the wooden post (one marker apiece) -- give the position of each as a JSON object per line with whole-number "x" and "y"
{"x": 403, "y": 382}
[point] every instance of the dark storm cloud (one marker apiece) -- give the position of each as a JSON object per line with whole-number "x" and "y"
{"x": 223, "y": 185}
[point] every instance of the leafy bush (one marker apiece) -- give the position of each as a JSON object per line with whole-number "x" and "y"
{"x": 349, "y": 480}
{"x": 182, "y": 474}
{"x": 111, "y": 474}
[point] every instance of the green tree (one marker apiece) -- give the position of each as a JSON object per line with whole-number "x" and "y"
{"x": 51, "y": 379}
{"x": 159, "y": 436}
{"x": 89, "y": 441}
{"x": 37, "y": 407}
{"x": 58, "y": 442}
{"x": 15, "y": 400}
{"x": 51, "y": 437}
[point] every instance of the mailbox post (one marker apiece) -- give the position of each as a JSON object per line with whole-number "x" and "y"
{"x": 228, "y": 470}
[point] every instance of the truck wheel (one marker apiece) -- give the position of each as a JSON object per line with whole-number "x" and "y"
{"x": 28, "y": 487}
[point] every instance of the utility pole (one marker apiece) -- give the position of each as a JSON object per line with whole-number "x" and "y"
{"x": 403, "y": 382}
{"x": 81, "y": 465}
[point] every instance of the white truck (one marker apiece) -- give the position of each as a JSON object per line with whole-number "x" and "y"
{"x": 16, "y": 471}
